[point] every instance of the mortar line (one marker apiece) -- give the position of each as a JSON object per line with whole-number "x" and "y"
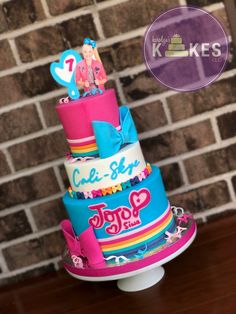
{"x": 15, "y": 52}
{"x": 31, "y": 219}
{"x": 29, "y": 101}
{"x": 196, "y": 152}
{"x": 3, "y": 263}
{"x": 41, "y": 115}
{"x": 215, "y": 210}
{"x": 192, "y": 186}
{"x": 24, "y": 269}
{"x": 9, "y": 160}
{"x": 231, "y": 188}
{"x": 59, "y": 178}
{"x": 45, "y": 8}
{"x": 166, "y": 110}
{"x": 98, "y": 24}
{"x": 16, "y": 208}
{"x": 215, "y": 129}
{"x": 52, "y": 20}
{"x": 183, "y": 172}
{"x": 29, "y": 237}
{"x": 30, "y": 171}
{"x": 31, "y": 136}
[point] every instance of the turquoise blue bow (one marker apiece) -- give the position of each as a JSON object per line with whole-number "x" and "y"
{"x": 88, "y": 41}
{"x": 109, "y": 140}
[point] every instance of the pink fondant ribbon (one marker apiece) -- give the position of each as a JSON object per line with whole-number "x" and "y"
{"x": 85, "y": 245}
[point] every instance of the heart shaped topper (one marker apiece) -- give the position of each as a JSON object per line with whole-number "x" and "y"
{"x": 63, "y": 71}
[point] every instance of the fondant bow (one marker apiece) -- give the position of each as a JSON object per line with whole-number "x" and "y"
{"x": 88, "y": 41}
{"x": 109, "y": 140}
{"x": 86, "y": 245}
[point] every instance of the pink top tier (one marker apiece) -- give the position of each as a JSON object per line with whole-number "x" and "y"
{"x": 77, "y": 116}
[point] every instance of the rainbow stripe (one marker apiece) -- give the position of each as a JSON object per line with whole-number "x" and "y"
{"x": 88, "y": 148}
{"x": 85, "y": 146}
{"x": 150, "y": 236}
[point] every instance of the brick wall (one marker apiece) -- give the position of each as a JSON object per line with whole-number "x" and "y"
{"x": 191, "y": 136}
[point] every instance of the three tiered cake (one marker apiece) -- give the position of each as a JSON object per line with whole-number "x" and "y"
{"x": 120, "y": 219}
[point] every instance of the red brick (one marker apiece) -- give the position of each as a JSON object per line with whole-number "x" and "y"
{"x": 203, "y": 198}
{"x": 222, "y": 17}
{"x": 75, "y": 30}
{"x": 4, "y": 168}
{"x": 49, "y": 111}
{"x": 34, "y": 251}
{"x": 149, "y": 116}
{"x": 28, "y": 188}
{"x": 132, "y": 14}
{"x": 231, "y": 64}
{"x": 227, "y": 125}
{"x": 185, "y": 105}
{"x": 14, "y": 226}
{"x": 234, "y": 183}
{"x": 49, "y": 214}
{"x": 59, "y": 7}
{"x": 128, "y": 53}
{"x": 21, "y": 13}
{"x": 25, "y": 85}
{"x": 19, "y": 122}
{"x": 140, "y": 86}
{"x": 202, "y": 2}
{"x": 3, "y": 23}
{"x": 41, "y": 43}
{"x": 172, "y": 176}
{"x": 8, "y": 84}
{"x": 7, "y": 60}
{"x": 210, "y": 164}
{"x": 178, "y": 142}
{"x": 107, "y": 59}
{"x": 39, "y": 150}
{"x": 112, "y": 84}
{"x": 64, "y": 176}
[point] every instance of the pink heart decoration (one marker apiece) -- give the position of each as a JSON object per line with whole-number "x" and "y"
{"x": 95, "y": 221}
{"x": 113, "y": 229}
{"x": 139, "y": 199}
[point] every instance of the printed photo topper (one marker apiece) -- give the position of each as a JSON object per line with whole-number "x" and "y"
{"x": 89, "y": 73}
{"x": 74, "y": 72}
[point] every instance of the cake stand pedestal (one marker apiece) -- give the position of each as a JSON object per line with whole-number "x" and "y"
{"x": 137, "y": 275}
{"x": 141, "y": 281}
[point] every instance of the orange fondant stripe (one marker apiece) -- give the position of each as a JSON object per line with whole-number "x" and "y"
{"x": 84, "y": 146}
{"x": 83, "y": 150}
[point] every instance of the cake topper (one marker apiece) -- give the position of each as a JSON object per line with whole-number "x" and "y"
{"x": 63, "y": 71}
{"x": 90, "y": 73}
{"x": 74, "y": 72}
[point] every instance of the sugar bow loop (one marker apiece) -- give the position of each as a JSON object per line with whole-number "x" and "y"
{"x": 109, "y": 140}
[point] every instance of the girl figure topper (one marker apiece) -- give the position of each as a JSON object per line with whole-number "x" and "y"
{"x": 90, "y": 73}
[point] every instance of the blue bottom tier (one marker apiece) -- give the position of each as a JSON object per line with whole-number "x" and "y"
{"x": 129, "y": 224}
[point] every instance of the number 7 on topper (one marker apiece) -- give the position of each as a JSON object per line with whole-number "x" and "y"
{"x": 63, "y": 71}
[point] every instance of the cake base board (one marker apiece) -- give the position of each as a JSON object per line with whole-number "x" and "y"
{"x": 137, "y": 275}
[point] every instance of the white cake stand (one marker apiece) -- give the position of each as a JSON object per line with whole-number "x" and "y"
{"x": 142, "y": 278}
